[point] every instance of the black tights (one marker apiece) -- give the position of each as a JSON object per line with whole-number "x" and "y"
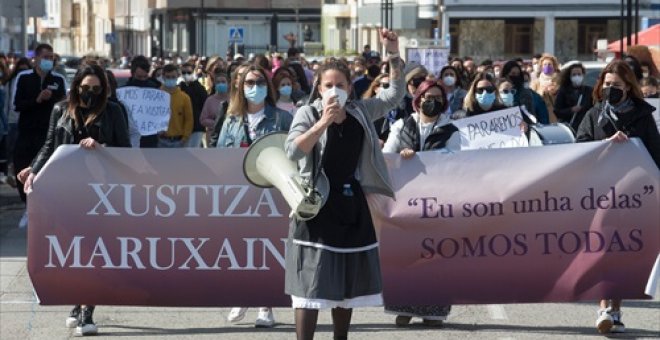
{"x": 306, "y": 320}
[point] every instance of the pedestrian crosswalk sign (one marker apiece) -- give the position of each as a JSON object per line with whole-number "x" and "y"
{"x": 236, "y": 35}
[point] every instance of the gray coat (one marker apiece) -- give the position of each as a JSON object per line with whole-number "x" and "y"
{"x": 372, "y": 170}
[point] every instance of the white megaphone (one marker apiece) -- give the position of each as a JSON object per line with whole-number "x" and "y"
{"x": 266, "y": 165}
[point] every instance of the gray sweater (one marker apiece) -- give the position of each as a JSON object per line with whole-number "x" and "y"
{"x": 372, "y": 170}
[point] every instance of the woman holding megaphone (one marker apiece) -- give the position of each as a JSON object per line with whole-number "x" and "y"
{"x": 332, "y": 259}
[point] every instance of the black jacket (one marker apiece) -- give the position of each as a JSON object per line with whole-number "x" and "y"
{"x": 567, "y": 98}
{"x": 437, "y": 139}
{"x": 198, "y": 95}
{"x": 33, "y": 118}
{"x": 111, "y": 127}
{"x": 638, "y": 122}
{"x": 149, "y": 83}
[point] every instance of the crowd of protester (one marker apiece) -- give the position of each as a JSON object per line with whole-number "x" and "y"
{"x": 218, "y": 103}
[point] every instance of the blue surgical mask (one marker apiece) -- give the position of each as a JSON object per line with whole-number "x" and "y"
{"x": 46, "y": 65}
{"x": 286, "y": 90}
{"x": 485, "y": 99}
{"x": 256, "y": 94}
{"x": 507, "y": 99}
{"x": 170, "y": 83}
{"x": 221, "y": 88}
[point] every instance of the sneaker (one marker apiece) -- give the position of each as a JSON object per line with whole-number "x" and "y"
{"x": 617, "y": 325}
{"x": 72, "y": 320}
{"x": 265, "y": 318}
{"x": 86, "y": 325}
{"x": 24, "y": 221}
{"x": 236, "y": 314}
{"x": 604, "y": 322}
{"x": 402, "y": 320}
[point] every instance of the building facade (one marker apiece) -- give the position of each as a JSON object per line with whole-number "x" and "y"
{"x": 185, "y": 27}
{"x": 494, "y": 29}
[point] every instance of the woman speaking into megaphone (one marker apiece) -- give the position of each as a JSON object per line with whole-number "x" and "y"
{"x": 332, "y": 259}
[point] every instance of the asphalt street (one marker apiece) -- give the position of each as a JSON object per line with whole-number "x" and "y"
{"x": 21, "y": 316}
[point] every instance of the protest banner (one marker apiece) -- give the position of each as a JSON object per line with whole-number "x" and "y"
{"x": 433, "y": 58}
{"x": 493, "y": 130}
{"x": 119, "y": 226}
{"x": 150, "y": 108}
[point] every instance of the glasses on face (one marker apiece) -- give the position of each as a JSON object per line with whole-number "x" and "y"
{"x": 96, "y": 89}
{"x": 507, "y": 91}
{"x": 416, "y": 81}
{"x": 488, "y": 89}
{"x": 186, "y": 73}
{"x": 258, "y": 82}
{"x": 429, "y": 97}
{"x": 384, "y": 85}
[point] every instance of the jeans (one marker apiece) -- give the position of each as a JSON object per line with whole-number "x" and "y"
{"x": 195, "y": 140}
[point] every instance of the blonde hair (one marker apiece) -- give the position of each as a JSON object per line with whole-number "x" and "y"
{"x": 238, "y": 103}
{"x": 470, "y": 101}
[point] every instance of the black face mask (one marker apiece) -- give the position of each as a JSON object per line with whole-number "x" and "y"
{"x": 517, "y": 81}
{"x": 613, "y": 95}
{"x": 88, "y": 98}
{"x": 431, "y": 108}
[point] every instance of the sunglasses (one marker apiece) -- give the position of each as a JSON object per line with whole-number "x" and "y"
{"x": 489, "y": 89}
{"x": 507, "y": 91}
{"x": 429, "y": 98}
{"x": 186, "y": 73}
{"x": 385, "y": 85}
{"x": 258, "y": 82}
{"x": 96, "y": 89}
{"x": 416, "y": 81}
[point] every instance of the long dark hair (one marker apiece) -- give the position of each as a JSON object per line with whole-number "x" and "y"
{"x": 565, "y": 79}
{"x": 74, "y": 95}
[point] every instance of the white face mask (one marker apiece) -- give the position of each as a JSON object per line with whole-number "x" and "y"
{"x": 342, "y": 96}
{"x": 449, "y": 80}
{"x": 577, "y": 80}
{"x": 645, "y": 74}
{"x": 189, "y": 77}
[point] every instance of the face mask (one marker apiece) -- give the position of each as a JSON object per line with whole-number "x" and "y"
{"x": 517, "y": 81}
{"x": 88, "y": 98}
{"x": 507, "y": 99}
{"x": 449, "y": 80}
{"x": 221, "y": 87}
{"x": 256, "y": 94}
{"x": 548, "y": 70}
{"x": 485, "y": 99}
{"x": 526, "y": 84}
{"x": 645, "y": 74}
{"x": 189, "y": 77}
{"x": 431, "y": 108}
{"x": 613, "y": 95}
{"x": 535, "y": 67}
{"x": 170, "y": 83}
{"x": 46, "y": 65}
{"x": 160, "y": 79}
{"x": 286, "y": 90}
{"x": 341, "y": 95}
{"x": 577, "y": 80}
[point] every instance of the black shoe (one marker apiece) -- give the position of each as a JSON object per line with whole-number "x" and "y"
{"x": 74, "y": 315}
{"x": 86, "y": 325}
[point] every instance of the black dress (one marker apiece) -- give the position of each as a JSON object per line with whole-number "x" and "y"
{"x": 336, "y": 264}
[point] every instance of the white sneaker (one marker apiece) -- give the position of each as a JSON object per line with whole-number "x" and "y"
{"x": 265, "y": 318}
{"x": 604, "y": 322}
{"x": 24, "y": 220}
{"x": 236, "y": 314}
{"x": 617, "y": 325}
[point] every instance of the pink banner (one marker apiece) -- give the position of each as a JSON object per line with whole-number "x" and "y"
{"x": 182, "y": 227}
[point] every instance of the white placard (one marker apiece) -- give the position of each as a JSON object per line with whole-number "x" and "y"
{"x": 434, "y": 59}
{"x": 656, "y": 114}
{"x": 493, "y": 130}
{"x": 150, "y": 108}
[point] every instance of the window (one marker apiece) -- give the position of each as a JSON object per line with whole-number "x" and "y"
{"x": 589, "y": 31}
{"x": 518, "y": 37}
{"x": 454, "y": 35}
{"x": 75, "y": 16}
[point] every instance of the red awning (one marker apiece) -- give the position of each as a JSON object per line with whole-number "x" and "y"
{"x": 649, "y": 37}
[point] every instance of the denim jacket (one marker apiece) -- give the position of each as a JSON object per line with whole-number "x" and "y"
{"x": 233, "y": 132}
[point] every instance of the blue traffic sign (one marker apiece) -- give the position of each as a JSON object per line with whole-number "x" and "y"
{"x": 236, "y": 35}
{"x": 111, "y": 38}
